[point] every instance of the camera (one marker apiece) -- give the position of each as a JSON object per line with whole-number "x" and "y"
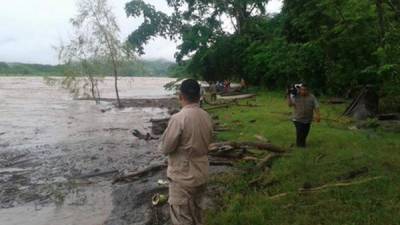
{"x": 293, "y": 90}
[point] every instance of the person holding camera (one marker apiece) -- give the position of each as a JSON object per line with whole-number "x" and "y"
{"x": 305, "y": 107}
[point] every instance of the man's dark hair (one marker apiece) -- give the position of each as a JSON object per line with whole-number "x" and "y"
{"x": 304, "y": 85}
{"x": 190, "y": 89}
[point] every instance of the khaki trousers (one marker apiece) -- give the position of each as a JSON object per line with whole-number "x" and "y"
{"x": 186, "y": 204}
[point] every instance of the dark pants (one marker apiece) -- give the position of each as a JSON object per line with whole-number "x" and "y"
{"x": 302, "y": 130}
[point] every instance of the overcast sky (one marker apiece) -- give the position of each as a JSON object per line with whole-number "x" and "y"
{"x": 29, "y": 29}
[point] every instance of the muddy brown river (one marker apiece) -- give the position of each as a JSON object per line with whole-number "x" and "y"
{"x": 51, "y": 144}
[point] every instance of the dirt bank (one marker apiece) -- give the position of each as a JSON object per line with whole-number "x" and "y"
{"x": 52, "y": 145}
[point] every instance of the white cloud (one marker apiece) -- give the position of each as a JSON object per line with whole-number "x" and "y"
{"x": 29, "y": 28}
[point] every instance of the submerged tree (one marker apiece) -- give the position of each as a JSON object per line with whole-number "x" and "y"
{"x": 96, "y": 41}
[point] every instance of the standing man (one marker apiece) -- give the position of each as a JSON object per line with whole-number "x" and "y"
{"x": 185, "y": 142}
{"x": 305, "y": 104}
{"x": 213, "y": 91}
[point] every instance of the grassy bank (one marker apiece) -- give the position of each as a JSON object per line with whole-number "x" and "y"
{"x": 366, "y": 161}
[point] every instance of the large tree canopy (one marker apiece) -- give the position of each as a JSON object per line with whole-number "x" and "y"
{"x": 196, "y": 23}
{"x": 334, "y": 45}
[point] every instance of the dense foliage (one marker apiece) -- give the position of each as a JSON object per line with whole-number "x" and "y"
{"x": 141, "y": 68}
{"x": 334, "y": 45}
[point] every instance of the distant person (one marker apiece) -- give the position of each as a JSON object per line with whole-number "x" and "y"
{"x": 305, "y": 105}
{"x": 202, "y": 94}
{"x": 220, "y": 86}
{"x": 227, "y": 86}
{"x": 185, "y": 142}
{"x": 213, "y": 91}
{"x": 243, "y": 84}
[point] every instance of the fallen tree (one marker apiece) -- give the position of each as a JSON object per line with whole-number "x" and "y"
{"x": 238, "y": 97}
{"x": 326, "y": 186}
{"x": 156, "y": 168}
{"x": 141, "y": 136}
{"x": 136, "y": 175}
{"x": 246, "y": 145}
{"x": 158, "y": 126}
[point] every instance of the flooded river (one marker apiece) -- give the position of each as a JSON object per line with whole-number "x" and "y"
{"x": 50, "y": 144}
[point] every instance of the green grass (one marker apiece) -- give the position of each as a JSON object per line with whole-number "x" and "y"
{"x": 333, "y": 152}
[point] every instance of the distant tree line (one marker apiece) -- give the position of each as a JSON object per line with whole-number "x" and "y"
{"x": 142, "y": 68}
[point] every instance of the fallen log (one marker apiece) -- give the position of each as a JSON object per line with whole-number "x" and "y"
{"x": 217, "y": 107}
{"x": 136, "y": 175}
{"x": 146, "y": 137}
{"x": 267, "y": 161}
{"x": 261, "y": 138}
{"x": 217, "y": 103}
{"x": 221, "y": 163}
{"x": 343, "y": 184}
{"x": 389, "y": 116}
{"x": 97, "y": 174}
{"x": 353, "y": 174}
{"x": 251, "y": 158}
{"x": 229, "y": 153}
{"x": 245, "y": 145}
{"x": 221, "y": 129}
{"x": 159, "y": 125}
{"x": 237, "y": 97}
{"x": 321, "y": 188}
{"x": 162, "y": 120}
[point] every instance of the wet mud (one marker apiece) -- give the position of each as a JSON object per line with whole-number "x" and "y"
{"x": 58, "y": 155}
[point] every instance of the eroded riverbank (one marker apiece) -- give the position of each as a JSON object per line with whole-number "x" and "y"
{"x": 51, "y": 145}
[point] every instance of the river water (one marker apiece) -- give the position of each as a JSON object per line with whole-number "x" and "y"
{"x": 49, "y": 141}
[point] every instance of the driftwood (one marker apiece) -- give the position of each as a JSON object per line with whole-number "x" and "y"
{"x": 148, "y": 171}
{"x": 267, "y": 161}
{"x": 218, "y": 103}
{"x": 343, "y": 184}
{"x": 250, "y": 158}
{"x": 136, "y": 175}
{"x": 159, "y": 125}
{"x": 217, "y": 107}
{"x": 366, "y": 105}
{"x": 389, "y": 116}
{"x": 97, "y": 174}
{"x": 162, "y": 120}
{"x": 141, "y": 136}
{"x": 261, "y": 138}
{"x": 221, "y": 129}
{"x": 245, "y": 145}
{"x": 320, "y": 188}
{"x": 228, "y": 153}
{"x": 221, "y": 163}
{"x": 353, "y": 174}
{"x": 237, "y": 97}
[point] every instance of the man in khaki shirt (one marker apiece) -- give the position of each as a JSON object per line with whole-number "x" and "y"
{"x": 185, "y": 142}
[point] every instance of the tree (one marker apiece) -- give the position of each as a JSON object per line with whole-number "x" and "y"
{"x": 96, "y": 40}
{"x": 198, "y": 24}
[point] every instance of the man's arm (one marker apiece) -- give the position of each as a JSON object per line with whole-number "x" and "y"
{"x": 316, "y": 110}
{"x": 290, "y": 101}
{"x": 317, "y": 115}
{"x": 170, "y": 138}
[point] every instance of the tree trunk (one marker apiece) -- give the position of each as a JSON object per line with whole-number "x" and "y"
{"x": 116, "y": 82}
{"x": 93, "y": 85}
{"x": 380, "y": 14}
{"x": 245, "y": 145}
